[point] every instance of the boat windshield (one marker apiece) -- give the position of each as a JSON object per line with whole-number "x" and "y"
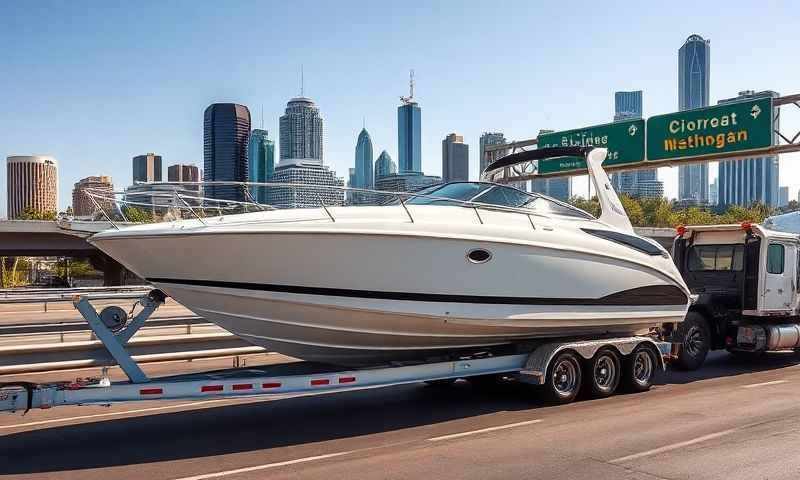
{"x": 493, "y": 194}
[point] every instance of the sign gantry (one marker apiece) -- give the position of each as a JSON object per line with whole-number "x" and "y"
{"x": 726, "y": 131}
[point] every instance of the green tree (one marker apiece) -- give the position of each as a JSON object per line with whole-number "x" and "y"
{"x": 634, "y": 210}
{"x": 137, "y": 215}
{"x": 29, "y": 213}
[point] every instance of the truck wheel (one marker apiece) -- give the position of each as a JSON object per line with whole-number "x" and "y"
{"x": 603, "y": 372}
{"x": 695, "y": 341}
{"x": 563, "y": 381}
{"x": 640, "y": 368}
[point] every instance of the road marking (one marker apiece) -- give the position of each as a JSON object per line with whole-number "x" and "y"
{"x": 483, "y": 430}
{"x": 674, "y": 446}
{"x": 114, "y": 414}
{"x": 764, "y": 384}
{"x": 265, "y": 466}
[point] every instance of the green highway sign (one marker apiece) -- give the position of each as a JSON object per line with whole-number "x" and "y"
{"x": 624, "y": 140}
{"x": 730, "y": 127}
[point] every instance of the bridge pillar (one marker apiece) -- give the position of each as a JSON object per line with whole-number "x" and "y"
{"x": 113, "y": 273}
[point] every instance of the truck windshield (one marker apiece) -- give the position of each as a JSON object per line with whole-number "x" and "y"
{"x": 716, "y": 258}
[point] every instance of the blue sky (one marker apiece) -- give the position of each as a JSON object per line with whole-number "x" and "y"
{"x": 94, "y": 82}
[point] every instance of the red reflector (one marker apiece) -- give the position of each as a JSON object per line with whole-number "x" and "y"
{"x": 243, "y": 386}
{"x": 320, "y": 381}
{"x": 271, "y": 385}
{"x": 211, "y": 388}
{"x": 347, "y": 379}
{"x": 680, "y": 229}
{"x": 151, "y": 391}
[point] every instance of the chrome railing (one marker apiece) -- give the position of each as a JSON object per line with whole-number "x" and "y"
{"x": 145, "y": 206}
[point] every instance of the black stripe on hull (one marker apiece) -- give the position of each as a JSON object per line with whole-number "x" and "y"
{"x": 653, "y": 295}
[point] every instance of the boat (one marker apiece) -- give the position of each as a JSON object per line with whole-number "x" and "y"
{"x": 458, "y": 267}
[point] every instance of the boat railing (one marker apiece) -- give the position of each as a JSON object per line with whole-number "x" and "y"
{"x": 149, "y": 202}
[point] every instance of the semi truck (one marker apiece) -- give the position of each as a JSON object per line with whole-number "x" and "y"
{"x": 744, "y": 281}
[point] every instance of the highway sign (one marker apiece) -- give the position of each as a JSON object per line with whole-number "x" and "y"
{"x": 730, "y": 127}
{"x": 624, "y": 140}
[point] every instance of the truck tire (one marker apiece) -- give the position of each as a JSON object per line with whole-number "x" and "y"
{"x": 602, "y": 373}
{"x": 695, "y": 336}
{"x": 563, "y": 381}
{"x": 639, "y": 369}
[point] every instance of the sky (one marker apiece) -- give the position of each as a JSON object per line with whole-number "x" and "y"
{"x": 95, "y": 83}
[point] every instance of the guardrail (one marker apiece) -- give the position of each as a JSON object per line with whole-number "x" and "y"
{"x": 44, "y": 295}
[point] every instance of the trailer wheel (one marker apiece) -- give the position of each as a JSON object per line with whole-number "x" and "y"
{"x": 603, "y": 373}
{"x": 695, "y": 338}
{"x": 639, "y": 369}
{"x": 563, "y": 381}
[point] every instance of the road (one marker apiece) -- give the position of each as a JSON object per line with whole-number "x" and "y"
{"x": 731, "y": 420}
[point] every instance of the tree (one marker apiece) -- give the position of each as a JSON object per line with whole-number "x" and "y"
{"x": 137, "y": 215}
{"x": 634, "y": 210}
{"x": 29, "y": 213}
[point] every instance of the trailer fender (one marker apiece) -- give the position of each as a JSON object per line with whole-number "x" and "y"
{"x": 539, "y": 360}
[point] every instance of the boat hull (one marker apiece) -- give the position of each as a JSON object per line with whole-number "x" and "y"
{"x": 383, "y": 297}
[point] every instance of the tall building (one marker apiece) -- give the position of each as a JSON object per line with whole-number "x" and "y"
{"x": 384, "y": 166}
{"x": 301, "y": 131}
{"x": 308, "y": 172}
{"x": 185, "y": 173}
{"x": 32, "y": 185}
{"x": 226, "y": 128}
{"x": 365, "y": 177}
{"x": 260, "y": 162}
{"x": 558, "y": 188}
{"x": 409, "y": 133}
{"x": 783, "y": 196}
{"x": 490, "y": 138}
{"x": 749, "y": 180}
{"x": 694, "y": 74}
{"x": 82, "y": 203}
{"x": 406, "y": 182}
{"x": 147, "y": 168}
{"x": 455, "y": 159}
{"x": 636, "y": 183}
{"x": 627, "y": 105}
{"x": 713, "y": 192}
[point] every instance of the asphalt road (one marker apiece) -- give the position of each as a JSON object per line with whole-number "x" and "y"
{"x": 731, "y": 420}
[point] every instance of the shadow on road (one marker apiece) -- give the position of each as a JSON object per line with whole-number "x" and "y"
{"x": 722, "y": 364}
{"x": 248, "y": 427}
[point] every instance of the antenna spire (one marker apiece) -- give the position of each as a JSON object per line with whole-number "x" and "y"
{"x": 302, "y": 81}
{"x": 262, "y": 116}
{"x": 411, "y": 83}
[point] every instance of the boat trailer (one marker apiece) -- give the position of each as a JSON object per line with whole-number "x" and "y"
{"x": 555, "y": 365}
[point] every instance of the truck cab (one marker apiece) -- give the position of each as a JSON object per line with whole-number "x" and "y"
{"x": 744, "y": 280}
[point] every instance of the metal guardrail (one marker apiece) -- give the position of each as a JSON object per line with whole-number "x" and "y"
{"x": 42, "y": 295}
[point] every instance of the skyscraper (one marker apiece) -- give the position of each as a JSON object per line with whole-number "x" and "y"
{"x": 364, "y": 175}
{"x": 301, "y": 131}
{"x": 31, "y": 185}
{"x": 627, "y": 105}
{"x": 384, "y": 166}
{"x": 783, "y": 196}
{"x": 226, "y": 127}
{"x": 638, "y": 183}
{"x": 455, "y": 159}
{"x": 748, "y": 180}
{"x": 490, "y": 138}
{"x": 409, "y": 133}
{"x": 301, "y": 160}
{"x": 558, "y": 188}
{"x": 694, "y": 73}
{"x": 260, "y": 162}
{"x": 147, "y": 168}
{"x": 183, "y": 173}
{"x": 84, "y": 205}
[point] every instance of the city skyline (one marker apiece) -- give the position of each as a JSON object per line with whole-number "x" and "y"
{"x": 162, "y": 116}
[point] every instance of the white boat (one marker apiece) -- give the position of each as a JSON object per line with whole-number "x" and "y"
{"x": 461, "y": 266}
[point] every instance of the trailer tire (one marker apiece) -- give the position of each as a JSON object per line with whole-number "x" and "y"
{"x": 640, "y": 369}
{"x": 695, "y": 336}
{"x": 563, "y": 381}
{"x": 602, "y": 373}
